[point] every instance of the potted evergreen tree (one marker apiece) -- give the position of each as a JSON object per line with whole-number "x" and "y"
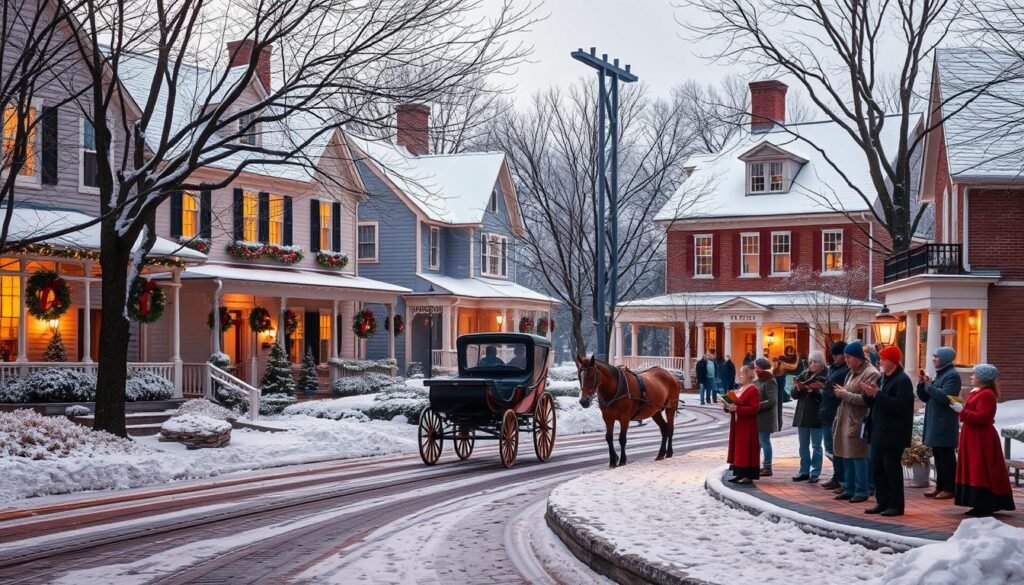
{"x": 276, "y": 386}
{"x": 309, "y": 382}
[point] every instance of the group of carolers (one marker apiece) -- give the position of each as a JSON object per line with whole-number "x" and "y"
{"x": 865, "y": 417}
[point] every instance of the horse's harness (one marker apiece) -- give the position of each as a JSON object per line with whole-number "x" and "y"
{"x": 622, "y": 388}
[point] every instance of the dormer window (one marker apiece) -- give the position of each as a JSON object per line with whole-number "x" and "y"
{"x": 247, "y": 129}
{"x": 770, "y": 169}
{"x": 770, "y": 174}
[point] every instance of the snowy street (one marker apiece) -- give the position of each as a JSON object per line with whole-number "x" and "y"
{"x": 327, "y": 522}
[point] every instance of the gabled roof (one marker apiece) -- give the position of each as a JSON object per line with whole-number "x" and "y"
{"x": 482, "y": 288}
{"x": 768, "y": 150}
{"x": 984, "y": 137}
{"x": 446, "y": 188}
{"x": 717, "y": 186}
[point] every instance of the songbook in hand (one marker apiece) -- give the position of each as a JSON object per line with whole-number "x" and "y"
{"x": 728, "y": 398}
{"x": 954, "y": 400}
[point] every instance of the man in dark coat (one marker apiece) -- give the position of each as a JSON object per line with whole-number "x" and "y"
{"x": 827, "y": 411}
{"x": 807, "y": 393}
{"x": 702, "y": 377}
{"x": 728, "y": 374}
{"x": 890, "y": 425}
{"x": 941, "y": 424}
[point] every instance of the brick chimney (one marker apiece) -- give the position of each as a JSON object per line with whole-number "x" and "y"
{"x": 767, "y": 104}
{"x": 414, "y": 127}
{"x": 240, "y": 52}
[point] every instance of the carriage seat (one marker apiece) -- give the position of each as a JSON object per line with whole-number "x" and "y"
{"x": 504, "y": 389}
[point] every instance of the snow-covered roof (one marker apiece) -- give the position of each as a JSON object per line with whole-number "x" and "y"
{"x": 28, "y": 222}
{"x": 447, "y": 188}
{"x": 290, "y": 276}
{"x": 198, "y": 85}
{"x": 483, "y": 288}
{"x": 984, "y": 134}
{"x": 717, "y": 186}
{"x": 766, "y": 300}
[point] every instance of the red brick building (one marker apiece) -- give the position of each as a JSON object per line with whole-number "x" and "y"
{"x": 763, "y": 241}
{"x": 964, "y": 287}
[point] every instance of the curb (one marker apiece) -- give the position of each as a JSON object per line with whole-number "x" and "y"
{"x": 600, "y": 555}
{"x": 867, "y": 537}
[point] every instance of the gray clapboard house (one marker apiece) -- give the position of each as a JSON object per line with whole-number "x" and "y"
{"x": 447, "y": 227}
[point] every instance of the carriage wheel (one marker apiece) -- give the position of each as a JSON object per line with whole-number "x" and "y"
{"x": 544, "y": 427}
{"x": 431, "y": 436}
{"x": 508, "y": 443}
{"x": 464, "y": 440}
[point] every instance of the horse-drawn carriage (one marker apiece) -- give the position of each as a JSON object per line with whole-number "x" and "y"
{"x": 499, "y": 391}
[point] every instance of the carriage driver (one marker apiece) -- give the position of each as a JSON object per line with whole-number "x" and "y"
{"x": 519, "y": 357}
{"x": 491, "y": 358}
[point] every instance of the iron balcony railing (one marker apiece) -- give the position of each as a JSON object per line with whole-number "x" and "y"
{"x": 925, "y": 259}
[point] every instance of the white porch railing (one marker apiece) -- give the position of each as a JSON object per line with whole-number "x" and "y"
{"x": 9, "y": 370}
{"x": 445, "y": 358}
{"x": 651, "y": 361}
{"x": 193, "y": 380}
{"x": 216, "y": 375}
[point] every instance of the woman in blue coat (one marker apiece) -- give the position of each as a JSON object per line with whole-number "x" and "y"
{"x": 941, "y": 424}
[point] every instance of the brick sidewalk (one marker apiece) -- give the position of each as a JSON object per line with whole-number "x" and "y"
{"x": 924, "y": 517}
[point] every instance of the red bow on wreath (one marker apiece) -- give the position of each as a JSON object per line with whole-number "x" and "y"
{"x": 45, "y": 294}
{"x": 145, "y": 296}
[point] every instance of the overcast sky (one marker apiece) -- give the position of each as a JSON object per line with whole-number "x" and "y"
{"x": 643, "y": 33}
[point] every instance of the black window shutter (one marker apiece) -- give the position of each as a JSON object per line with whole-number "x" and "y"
{"x": 314, "y": 225}
{"x": 239, "y": 220}
{"x": 264, "y": 215}
{"x": 50, "y": 147}
{"x": 312, "y": 335}
{"x": 176, "y": 205}
{"x": 336, "y": 226}
{"x": 287, "y": 235}
{"x": 205, "y": 215}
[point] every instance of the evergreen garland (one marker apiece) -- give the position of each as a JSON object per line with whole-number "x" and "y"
{"x": 309, "y": 382}
{"x": 55, "y": 351}
{"x": 277, "y": 379}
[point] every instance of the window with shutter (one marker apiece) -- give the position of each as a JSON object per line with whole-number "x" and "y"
{"x": 326, "y": 240}
{"x": 276, "y": 220}
{"x": 493, "y": 255}
{"x": 9, "y": 143}
{"x": 189, "y": 215}
{"x": 750, "y": 254}
{"x": 781, "y": 253}
{"x": 832, "y": 251}
{"x": 250, "y": 216}
{"x": 703, "y": 256}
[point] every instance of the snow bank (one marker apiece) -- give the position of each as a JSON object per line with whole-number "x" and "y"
{"x": 567, "y": 373}
{"x": 332, "y": 409}
{"x": 982, "y": 551}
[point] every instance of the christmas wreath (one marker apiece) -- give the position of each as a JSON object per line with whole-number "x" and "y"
{"x": 291, "y": 322}
{"x": 259, "y": 319}
{"x": 364, "y": 324}
{"x": 47, "y": 295}
{"x": 399, "y": 325}
{"x": 526, "y": 325}
{"x": 146, "y": 301}
{"x": 542, "y": 327}
{"x": 225, "y": 319}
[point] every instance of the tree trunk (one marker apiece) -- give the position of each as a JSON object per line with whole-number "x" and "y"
{"x": 115, "y": 333}
{"x": 577, "y": 332}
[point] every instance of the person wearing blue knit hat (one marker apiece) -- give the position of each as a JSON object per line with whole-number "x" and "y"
{"x": 981, "y": 479}
{"x": 941, "y": 427}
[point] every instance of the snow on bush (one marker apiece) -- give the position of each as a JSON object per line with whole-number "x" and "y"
{"x": 146, "y": 385}
{"x": 1015, "y": 432}
{"x": 563, "y": 388}
{"x": 202, "y": 407}
{"x": 13, "y": 391}
{"x": 27, "y": 434}
{"x": 77, "y": 410}
{"x": 363, "y": 365}
{"x": 195, "y": 424}
{"x": 57, "y": 385}
{"x": 368, "y": 383}
{"x": 567, "y": 373}
{"x": 573, "y": 419}
{"x": 275, "y": 403}
{"x": 329, "y": 409}
{"x": 981, "y": 551}
{"x": 406, "y": 401}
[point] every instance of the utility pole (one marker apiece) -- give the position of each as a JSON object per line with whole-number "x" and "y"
{"x": 609, "y": 74}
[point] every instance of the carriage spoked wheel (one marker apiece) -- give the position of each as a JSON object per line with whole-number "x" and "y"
{"x": 508, "y": 442}
{"x": 431, "y": 436}
{"x": 464, "y": 440}
{"x": 544, "y": 427}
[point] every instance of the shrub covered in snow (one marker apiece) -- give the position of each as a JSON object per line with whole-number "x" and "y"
{"x": 275, "y": 403}
{"x": 395, "y": 401}
{"x": 221, "y": 360}
{"x": 146, "y": 385}
{"x": 53, "y": 385}
{"x": 368, "y": 383}
{"x": 567, "y": 373}
{"x": 25, "y": 433}
{"x": 357, "y": 366}
{"x": 1015, "y": 432}
{"x": 13, "y": 391}
{"x": 205, "y": 408}
{"x": 195, "y": 424}
{"x": 330, "y": 409}
{"x": 563, "y": 388}
{"x": 77, "y": 410}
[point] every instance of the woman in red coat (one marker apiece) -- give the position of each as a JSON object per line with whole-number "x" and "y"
{"x": 744, "y": 449}
{"x": 982, "y": 482}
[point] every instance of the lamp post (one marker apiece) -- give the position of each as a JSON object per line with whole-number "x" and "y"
{"x": 885, "y": 327}
{"x": 430, "y": 346}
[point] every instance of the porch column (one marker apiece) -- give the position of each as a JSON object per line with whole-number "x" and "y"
{"x": 279, "y": 338}
{"x": 216, "y": 316}
{"x": 410, "y": 315}
{"x": 391, "y": 330}
{"x": 23, "y": 320}
{"x": 759, "y": 336}
{"x": 634, "y": 338}
{"x": 87, "y": 315}
{"x": 551, "y": 320}
{"x": 620, "y": 343}
{"x": 910, "y": 345}
{"x": 686, "y": 353}
{"x": 700, "y": 338}
{"x": 934, "y": 339}
{"x": 175, "y": 331}
{"x": 672, "y": 341}
{"x": 983, "y": 335}
{"x": 813, "y": 342}
{"x": 446, "y": 328}
{"x": 334, "y": 329}
{"x": 727, "y": 348}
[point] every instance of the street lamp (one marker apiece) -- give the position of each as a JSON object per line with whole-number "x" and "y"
{"x": 499, "y": 319}
{"x": 430, "y": 346}
{"x": 885, "y": 327}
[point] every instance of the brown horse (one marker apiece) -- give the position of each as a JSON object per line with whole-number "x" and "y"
{"x": 626, "y": 396}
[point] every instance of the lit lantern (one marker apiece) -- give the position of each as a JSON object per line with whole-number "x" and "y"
{"x": 885, "y": 327}
{"x": 499, "y": 319}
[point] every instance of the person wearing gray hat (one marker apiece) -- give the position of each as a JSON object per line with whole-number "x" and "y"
{"x": 941, "y": 427}
{"x": 981, "y": 479}
{"x": 767, "y": 419}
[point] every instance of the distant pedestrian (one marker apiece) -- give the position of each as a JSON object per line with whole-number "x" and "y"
{"x": 727, "y": 379}
{"x": 872, "y": 354}
{"x": 829, "y": 404}
{"x": 743, "y": 454}
{"x": 748, "y": 359}
{"x": 941, "y": 424}
{"x": 890, "y": 426}
{"x": 807, "y": 392}
{"x": 767, "y": 417}
{"x": 981, "y": 479}
{"x": 848, "y": 437}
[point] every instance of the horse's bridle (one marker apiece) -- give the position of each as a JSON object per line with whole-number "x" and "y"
{"x": 619, "y": 395}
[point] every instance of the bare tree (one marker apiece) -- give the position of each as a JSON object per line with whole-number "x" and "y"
{"x": 331, "y": 59}
{"x": 860, "y": 63}
{"x": 830, "y": 305}
{"x": 552, "y": 154}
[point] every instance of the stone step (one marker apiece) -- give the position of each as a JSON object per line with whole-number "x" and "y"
{"x": 141, "y": 421}
{"x": 144, "y": 430}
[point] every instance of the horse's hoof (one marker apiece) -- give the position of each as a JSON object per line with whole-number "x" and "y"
{"x": 659, "y": 457}
{"x": 669, "y": 456}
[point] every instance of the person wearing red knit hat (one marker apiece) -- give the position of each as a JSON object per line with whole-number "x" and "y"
{"x": 889, "y": 425}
